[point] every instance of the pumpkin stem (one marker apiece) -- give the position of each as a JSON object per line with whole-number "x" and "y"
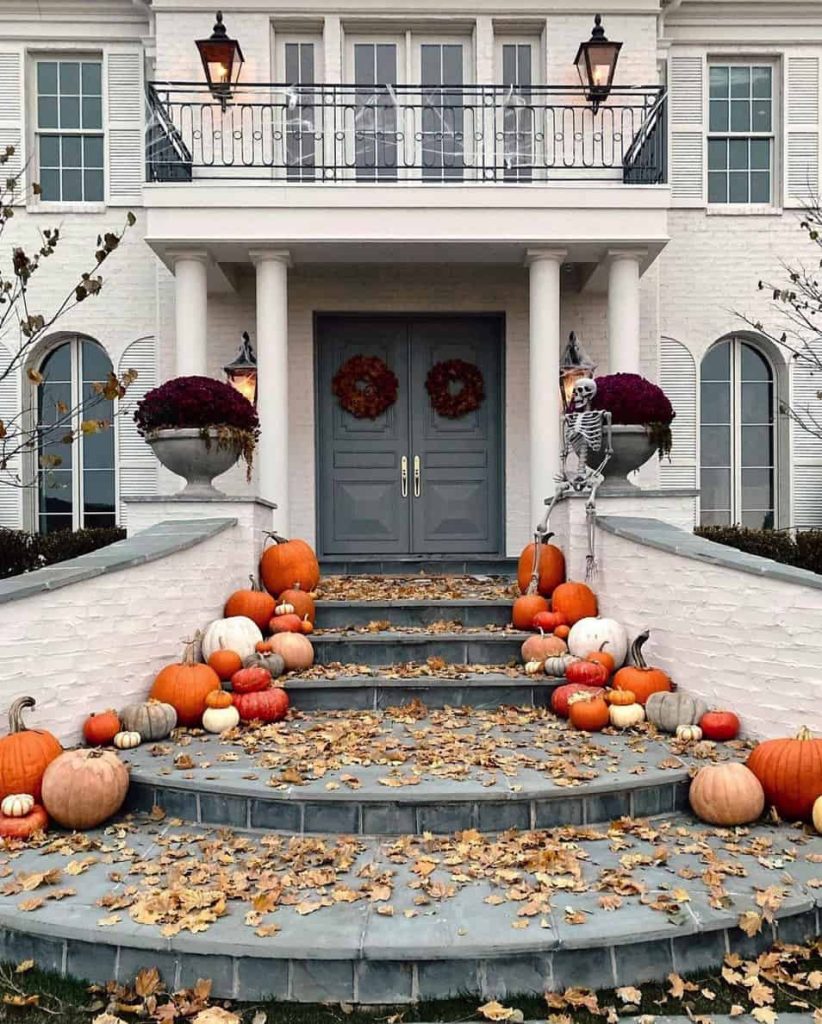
{"x": 637, "y": 656}
{"x": 275, "y": 537}
{"x": 16, "y": 710}
{"x": 189, "y": 654}
{"x": 255, "y": 583}
{"x": 804, "y": 733}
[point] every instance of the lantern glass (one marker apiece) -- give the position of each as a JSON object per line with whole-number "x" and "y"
{"x": 241, "y": 372}
{"x": 222, "y": 59}
{"x": 575, "y": 364}
{"x": 596, "y": 62}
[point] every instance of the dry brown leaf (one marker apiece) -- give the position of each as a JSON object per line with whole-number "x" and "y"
{"x": 629, "y": 994}
{"x": 750, "y": 922}
{"x": 216, "y": 1015}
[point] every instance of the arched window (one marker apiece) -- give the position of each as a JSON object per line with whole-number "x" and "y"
{"x": 76, "y": 481}
{"x": 737, "y": 436}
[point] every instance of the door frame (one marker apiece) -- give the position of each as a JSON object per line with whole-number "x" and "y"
{"x": 499, "y": 317}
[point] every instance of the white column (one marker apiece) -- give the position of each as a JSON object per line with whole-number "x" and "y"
{"x": 272, "y": 380}
{"x": 543, "y": 392}
{"x": 191, "y": 313}
{"x": 623, "y": 311}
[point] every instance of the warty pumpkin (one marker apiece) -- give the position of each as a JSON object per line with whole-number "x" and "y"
{"x": 541, "y": 567}
{"x": 265, "y": 705}
{"x": 101, "y": 728}
{"x": 287, "y": 564}
{"x": 640, "y": 677}
{"x": 560, "y": 696}
{"x": 790, "y": 771}
{"x": 250, "y": 680}
{"x": 25, "y": 753}
{"x": 587, "y": 672}
{"x": 37, "y": 820}
{"x": 575, "y": 600}
{"x": 82, "y": 788}
{"x": 254, "y": 603}
{"x": 184, "y": 686}
{"x": 726, "y": 794}
{"x": 525, "y": 610}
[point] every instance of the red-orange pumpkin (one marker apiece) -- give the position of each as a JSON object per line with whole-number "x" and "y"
{"x": 289, "y": 563}
{"x": 250, "y": 680}
{"x": 302, "y": 603}
{"x": 720, "y": 726}
{"x": 101, "y": 728}
{"x": 563, "y": 632}
{"x": 254, "y": 603}
{"x": 640, "y": 677}
{"x": 286, "y": 624}
{"x": 589, "y": 712}
{"x": 265, "y": 705}
{"x": 549, "y": 621}
{"x": 526, "y": 608}
{"x": 602, "y": 657}
{"x": 588, "y": 672}
{"x": 790, "y": 771}
{"x": 575, "y": 600}
{"x": 559, "y": 698}
{"x": 37, "y": 820}
{"x": 25, "y": 754}
{"x": 225, "y": 663}
{"x": 184, "y": 685}
{"x": 550, "y": 567}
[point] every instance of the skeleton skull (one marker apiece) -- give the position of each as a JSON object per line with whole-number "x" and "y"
{"x": 584, "y": 393}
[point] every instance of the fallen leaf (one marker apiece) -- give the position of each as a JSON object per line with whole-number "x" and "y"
{"x": 764, "y": 1014}
{"x": 23, "y": 966}
{"x": 216, "y": 1015}
{"x": 750, "y": 922}
{"x": 496, "y": 1011}
{"x": 628, "y": 994}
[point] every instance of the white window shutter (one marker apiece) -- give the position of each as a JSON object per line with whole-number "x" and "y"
{"x": 11, "y": 495}
{"x": 11, "y": 110}
{"x": 137, "y": 465}
{"x": 677, "y": 378}
{"x": 806, "y": 383}
{"x": 124, "y": 126}
{"x": 686, "y": 114}
{"x": 802, "y": 130}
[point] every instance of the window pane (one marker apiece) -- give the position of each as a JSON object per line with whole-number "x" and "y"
{"x": 430, "y": 65}
{"x": 57, "y": 365}
{"x": 740, "y": 81}
{"x": 738, "y": 187}
{"x": 72, "y": 186}
{"x": 761, "y": 154}
{"x": 716, "y": 403}
{"x": 98, "y": 491}
{"x": 717, "y": 154}
{"x": 452, "y": 64}
{"x": 754, "y": 365}
{"x": 524, "y": 64}
{"x": 757, "y": 489}
{"x": 71, "y": 148}
{"x": 717, "y": 187}
{"x": 55, "y": 401}
{"x": 49, "y": 151}
{"x": 93, "y": 151}
{"x": 92, "y": 112}
{"x": 292, "y": 62}
{"x": 717, "y": 362}
{"x": 91, "y": 74}
{"x": 719, "y": 115}
{"x": 758, "y": 520}
{"x": 97, "y": 521}
{"x": 761, "y": 116}
{"x": 761, "y": 82}
{"x": 50, "y": 186}
{"x": 386, "y": 64}
{"x": 69, "y": 111}
{"x": 740, "y": 116}
{"x": 716, "y": 446}
{"x": 307, "y": 63}
{"x": 719, "y": 81}
{"x": 738, "y": 154}
{"x": 715, "y": 518}
{"x": 756, "y": 403}
{"x": 47, "y": 76}
{"x": 509, "y": 64}
{"x": 760, "y": 187}
{"x": 47, "y": 112}
{"x": 69, "y": 77}
{"x": 96, "y": 364}
{"x": 55, "y": 491}
{"x": 93, "y": 186}
{"x": 757, "y": 446}
{"x": 53, "y": 523}
{"x": 715, "y": 489}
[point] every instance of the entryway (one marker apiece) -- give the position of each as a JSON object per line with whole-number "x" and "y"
{"x": 410, "y": 482}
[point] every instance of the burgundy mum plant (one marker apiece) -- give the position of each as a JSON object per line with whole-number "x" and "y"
{"x": 633, "y": 400}
{"x": 202, "y": 403}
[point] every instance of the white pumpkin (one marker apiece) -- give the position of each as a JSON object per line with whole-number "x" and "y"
{"x": 534, "y": 668}
{"x": 589, "y": 635}
{"x": 624, "y": 716}
{"x": 127, "y": 740}
{"x": 17, "y": 805}
{"x": 284, "y": 609}
{"x": 816, "y": 814}
{"x": 689, "y": 733}
{"x": 220, "y": 719}
{"x": 236, "y": 633}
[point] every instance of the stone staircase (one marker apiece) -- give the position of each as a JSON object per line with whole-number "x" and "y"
{"x": 428, "y": 830}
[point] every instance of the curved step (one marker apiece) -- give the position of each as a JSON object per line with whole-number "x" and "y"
{"x": 468, "y": 612}
{"x": 393, "y": 646}
{"x": 385, "y": 923}
{"x": 410, "y": 769}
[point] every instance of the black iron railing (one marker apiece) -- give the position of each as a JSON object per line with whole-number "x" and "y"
{"x": 397, "y": 133}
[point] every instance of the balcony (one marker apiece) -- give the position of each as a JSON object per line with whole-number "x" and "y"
{"x": 394, "y": 134}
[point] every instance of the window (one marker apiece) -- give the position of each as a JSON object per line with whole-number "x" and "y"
{"x": 300, "y": 142}
{"x": 741, "y": 134}
{"x": 442, "y": 75}
{"x": 518, "y": 116}
{"x": 737, "y": 436}
{"x": 70, "y": 130}
{"x": 77, "y": 491}
{"x": 375, "y": 117}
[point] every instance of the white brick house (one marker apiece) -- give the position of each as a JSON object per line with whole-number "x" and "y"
{"x": 422, "y": 180}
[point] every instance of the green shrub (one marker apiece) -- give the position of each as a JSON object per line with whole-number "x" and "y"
{"x": 23, "y": 552}
{"x": 804, "y": 551}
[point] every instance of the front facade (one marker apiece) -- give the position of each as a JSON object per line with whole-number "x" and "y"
{"x": 421, "y": 182}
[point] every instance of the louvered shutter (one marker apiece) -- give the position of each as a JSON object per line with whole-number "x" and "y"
{"x": 137, "y": 465}
{"x": 686, "y": 103}
{"x": 806, "y": 382}
{"x": 677, "y": 378}
{"x": 802, "y": 130}
{"x": 124, "y": 126}
{"x": 11, "y": 110}
{"x": 11, "y": 508}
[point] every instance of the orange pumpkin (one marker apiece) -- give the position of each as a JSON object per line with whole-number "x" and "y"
{"x": 525, "y": 608}
{"x": 307, "y": 626}
{"x": 218, "y": 699}
{"x": 563, "y": 632}
{"x": 286, "y": 624}
{"x": 545, "y": 645}
{"x": 254, "y": 603}
{"x": 37, "y": 820}
{"x": 575, "y": 600}
{"x": 101, "y": 728}
{"x": 289, "y": 563}
{"x": 225, "y": 663}
{"x": 185, "y": 685}
{"x": 621, "y": 698}
{"x": 302, "y": 603}
{"x": 25, "y": 754}
{"x": 562, "y": 694}
{"x": 81, "y": 788}
{"x": 588, "y": 711}
{"x": 296, "y": 650}
{"x": 541, "y": 567}
{"x": 602, "y": 657}
{"x": 790, "y": 771}
{"x": 642, "y": 679}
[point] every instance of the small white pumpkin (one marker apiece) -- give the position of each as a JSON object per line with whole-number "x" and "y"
{"x": 17, "y": 805}
{"x": 220, "y": 719}
{"x": 625, "y": 716}
{"x": 595, "y": 634}
{"x": 284, "y": 609}
{"x": 127, "y": 740}
{"x": 816, "y": 814}
{"x": 236, "y": 633}
{"x": 689, "y": 733}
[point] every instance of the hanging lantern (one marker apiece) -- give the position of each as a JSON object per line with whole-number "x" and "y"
{"x": 576, "y": 364}
{"x": 596, "y": 62}
{"x": 241, "y": 372}
{"x": 222, "y": 60}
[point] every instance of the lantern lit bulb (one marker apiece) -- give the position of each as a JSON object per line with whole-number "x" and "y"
{"x": 246, "y": 384}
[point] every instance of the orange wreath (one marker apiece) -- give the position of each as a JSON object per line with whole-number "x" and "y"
{"x": 366, "y": 386}
{"x": 470, "y": 395}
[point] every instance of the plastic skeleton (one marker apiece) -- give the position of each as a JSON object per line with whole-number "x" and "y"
{"x": 586, "y": 432}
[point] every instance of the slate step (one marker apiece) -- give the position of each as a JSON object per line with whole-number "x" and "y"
{"x": 394, "y": 647}
{"x": 336, "y": 614}
{"x": 381, "y": 944}
{"x": 380, "y": 773}
{"x": 396, "y": 565}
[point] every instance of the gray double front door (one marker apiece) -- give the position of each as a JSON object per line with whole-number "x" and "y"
{"x": 410, "y": 481}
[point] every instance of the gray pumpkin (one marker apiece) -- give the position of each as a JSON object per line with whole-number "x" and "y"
{"x": 274, "y": 662}
{"x": 668, "y": 710}
{"x": 558, "y": 663}
{"x": 153, "y": 719}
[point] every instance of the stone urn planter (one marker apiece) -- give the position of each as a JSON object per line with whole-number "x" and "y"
{"x": 632, "y": 449}
{"x": 197, "y": 459}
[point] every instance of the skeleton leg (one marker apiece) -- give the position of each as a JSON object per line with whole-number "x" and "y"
{"x": 563, "y": 488}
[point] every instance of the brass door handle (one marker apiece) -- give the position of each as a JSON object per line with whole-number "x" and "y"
{"x": 404, "y": 476}
{"x": 417, "y": 476}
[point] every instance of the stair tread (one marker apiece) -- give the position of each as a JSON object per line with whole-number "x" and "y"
{"x": 417, "y": 634}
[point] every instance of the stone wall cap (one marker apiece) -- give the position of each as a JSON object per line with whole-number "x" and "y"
{"x": 184, "y": 499}
{"x": 640, "y": 493}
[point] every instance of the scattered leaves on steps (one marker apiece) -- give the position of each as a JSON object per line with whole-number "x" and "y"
{"x": 416, "y": 588}
{"x": 432, "y": 667}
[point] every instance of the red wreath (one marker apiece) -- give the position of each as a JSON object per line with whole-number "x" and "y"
{"x": 366, "y": 386}
{"x": 455, "y": 404}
